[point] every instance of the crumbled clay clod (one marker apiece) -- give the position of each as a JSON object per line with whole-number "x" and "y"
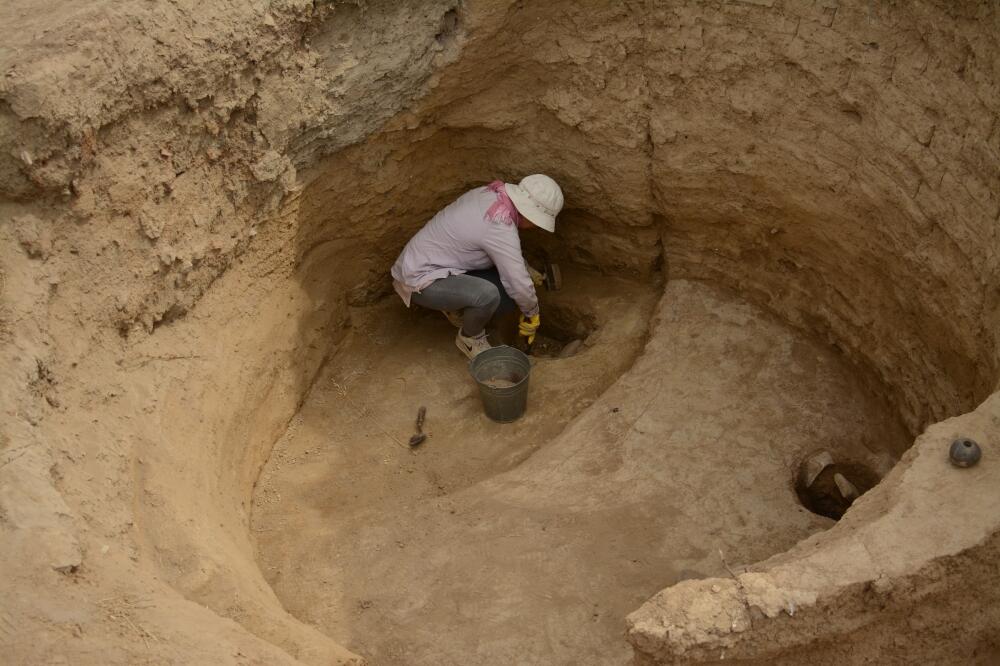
{"x": 269, "y": 167}
{"x": 151, "y": 225}
{"x": 34, "y": 236}
{"x": 167, "y": 255}
{"x": 771, "y": 597}
{"x": 683, "y": 616}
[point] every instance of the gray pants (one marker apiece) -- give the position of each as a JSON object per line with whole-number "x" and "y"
{"x": 476, "y": 297}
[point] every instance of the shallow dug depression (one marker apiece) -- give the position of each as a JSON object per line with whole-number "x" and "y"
{"x": 779, "y": 248}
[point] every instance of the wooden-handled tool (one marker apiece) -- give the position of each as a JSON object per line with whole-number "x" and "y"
{"x": 419, "y": 438}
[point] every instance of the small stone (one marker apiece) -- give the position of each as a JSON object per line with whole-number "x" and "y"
{"x": 65, "y": 556}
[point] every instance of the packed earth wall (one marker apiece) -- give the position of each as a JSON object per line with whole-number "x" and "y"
{"x": 192, "y": 194}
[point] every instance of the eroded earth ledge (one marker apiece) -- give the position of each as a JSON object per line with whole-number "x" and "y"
{"x": 791, "y": 208}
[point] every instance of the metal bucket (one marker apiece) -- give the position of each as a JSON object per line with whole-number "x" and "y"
{"x": 502, "y": 376}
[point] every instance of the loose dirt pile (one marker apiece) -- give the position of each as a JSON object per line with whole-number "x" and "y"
{"x": 200, "y": 200}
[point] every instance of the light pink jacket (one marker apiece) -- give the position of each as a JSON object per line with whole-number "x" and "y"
{"x": 460, "y": 239}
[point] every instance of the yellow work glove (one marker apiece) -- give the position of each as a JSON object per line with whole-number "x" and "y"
{"x": 528, "y": 326}
{"x": 537, "y": 278}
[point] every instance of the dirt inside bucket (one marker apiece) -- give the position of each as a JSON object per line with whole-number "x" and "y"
{"x": 500, "y": 382}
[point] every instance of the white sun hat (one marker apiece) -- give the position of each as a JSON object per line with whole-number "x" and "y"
{"x": 538, "y": 198}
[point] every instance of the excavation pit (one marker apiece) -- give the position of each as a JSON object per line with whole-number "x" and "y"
{"x": 780, "y": 233}
{"x": 566, "y": 330}
{"x": 445, "y": 555}
{"x": 829, "y": 496}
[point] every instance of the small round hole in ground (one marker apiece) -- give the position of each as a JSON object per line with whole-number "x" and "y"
{"x": 547, "y": 346}
{"x": 829, "y": 488}
{"x": 563, "y": 332}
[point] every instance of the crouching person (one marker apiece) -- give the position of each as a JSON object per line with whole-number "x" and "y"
{"x": 467, "y": 261}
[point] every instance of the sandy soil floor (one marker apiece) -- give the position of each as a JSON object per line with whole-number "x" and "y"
{"x": 528, "y": 543}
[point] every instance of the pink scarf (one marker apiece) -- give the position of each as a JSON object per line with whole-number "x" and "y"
{"x": 503, "y": 210}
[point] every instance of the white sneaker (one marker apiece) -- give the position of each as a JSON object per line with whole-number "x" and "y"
{"x": 472, "y": 346}
{"x": 454, "y": 317}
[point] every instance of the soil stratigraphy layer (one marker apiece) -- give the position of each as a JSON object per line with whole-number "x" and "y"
{"x": 500, "y": 544}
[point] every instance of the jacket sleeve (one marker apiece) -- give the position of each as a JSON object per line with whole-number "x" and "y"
{"x": 503, "y": 246}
